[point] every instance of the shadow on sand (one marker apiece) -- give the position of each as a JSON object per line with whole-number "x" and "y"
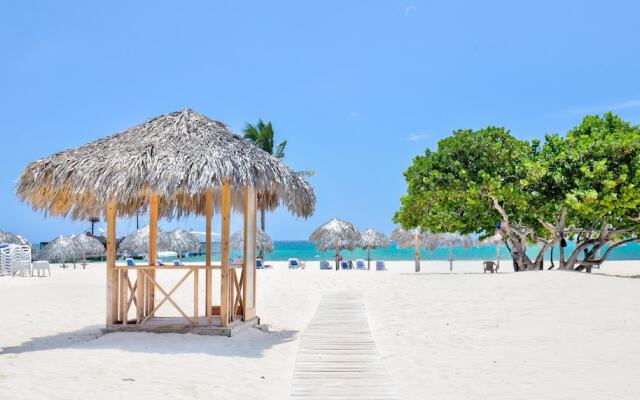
{"x": 248, "y": 343}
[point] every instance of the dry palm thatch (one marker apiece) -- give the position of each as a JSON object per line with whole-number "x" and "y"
{"x": 452, "y": 240}
{"x": 336, "y": 234}
{"x": 373, "y": 240}
{"x": 87, "y": 245}
{"x": 184, "y": 241}
{"x": 60, "y": 250}
{"x": 180, "y": 156}
{"x": 138, "y": 242}
{"x": 11, "y": 238}
{"x": 405, "y": 238}
{"x": 263, "y": 241}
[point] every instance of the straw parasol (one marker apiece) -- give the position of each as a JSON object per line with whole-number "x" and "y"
{"x": 183, "y": 241}
{"x": 60, "y": 250}
{"x": 336, "y": 234}
{"x": 455, "y": 239}
{"x": 87, "y": 245}
{"x": 373, "y": 240}
{"x": 138, "y": 241}
{"x": 495, "y": 240}
{"x": 406, "y": 239}
{"x": 11, "y": 238}
{"x": 178, "y": 156}
{"x": 263, "y": 241}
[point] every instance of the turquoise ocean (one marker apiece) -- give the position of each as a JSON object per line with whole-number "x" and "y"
{"x": 306, "y": 251}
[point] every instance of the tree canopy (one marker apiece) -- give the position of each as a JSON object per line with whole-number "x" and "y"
{"x": 479, "y": 180}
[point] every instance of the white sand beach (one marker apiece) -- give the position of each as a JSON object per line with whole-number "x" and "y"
{"x": 460, "y": 335}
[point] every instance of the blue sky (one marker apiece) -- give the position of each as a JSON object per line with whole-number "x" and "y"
{"x": 358, "y": 88}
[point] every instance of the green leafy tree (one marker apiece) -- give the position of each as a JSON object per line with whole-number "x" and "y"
{"x": 474, "y": 182}
{"x": 592, "y": 184}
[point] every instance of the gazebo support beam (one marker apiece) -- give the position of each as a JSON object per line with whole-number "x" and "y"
{"x": 148, "y": 290}
{"x": 249, "y": 253}
{"x": 225, "y": 231}
{"x": 112, "y": 287}
{"x": 207, "y": 246}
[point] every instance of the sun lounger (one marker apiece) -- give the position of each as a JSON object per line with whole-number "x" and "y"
{"x": 324, "y": 264}
{"x": 177, "y": 263}
{"x": 130, "y": 262}
{"x": 490, "y": 266}
{"x": 344, "y": 265}
{"x": 259, "y": 264}
{"x": 360, "y": 264}
{"x": 380, "y": 266}
{"x": 294, "y": 263}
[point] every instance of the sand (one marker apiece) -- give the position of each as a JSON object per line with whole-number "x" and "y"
{"x": 461, "y": 335}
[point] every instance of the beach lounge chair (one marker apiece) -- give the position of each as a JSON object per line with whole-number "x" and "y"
{"x": 380, "y": 266}
{"x": 130, "y": 262}
{"x": 294, "y": 263}
{"x": 344, "y": 265}
{"x": 324, "y": 264}
{"x": 360, "y": 264}
{"x": 259, "y": 264}
{"x": 490, "y": 266}
{"x": 177, "y": 263}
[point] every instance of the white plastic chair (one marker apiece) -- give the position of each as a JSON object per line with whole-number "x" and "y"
{"x": 40, "y": 266}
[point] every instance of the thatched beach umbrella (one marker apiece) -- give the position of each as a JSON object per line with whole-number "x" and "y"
{"x": 11, "y": 238}
{"x": 87, "y": 245}
{"x": 412, "y": 238}
{"x": 455, "y": 239}
{"x": 263, "y": 241}
{"x": 62, "y": 249}
{"x": 495, "y": 240}
{"x": 373, "y": 240}
{"x": 183, "y": 241}
{"x": 138, "y": 241}
{"x": 336, "y": 234}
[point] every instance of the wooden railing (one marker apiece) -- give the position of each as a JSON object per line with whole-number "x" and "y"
{"x": 140, "y": 291}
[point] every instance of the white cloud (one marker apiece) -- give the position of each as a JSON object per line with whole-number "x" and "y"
{"x": 624, "y": 105}
{"x": 414, "y": 137}
{"x": 409, "y": 9}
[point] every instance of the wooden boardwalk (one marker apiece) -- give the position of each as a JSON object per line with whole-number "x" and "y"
{"x": 337, "y": 358}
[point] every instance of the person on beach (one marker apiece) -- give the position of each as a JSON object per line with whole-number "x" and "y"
{"x": 350, "y": 264}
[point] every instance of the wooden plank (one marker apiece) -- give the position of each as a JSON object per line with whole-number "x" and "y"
{"x": 112, "y": 289}
{"x": 249, "y": 252}
{"x": 208, "y": 274}
{"x": 225, "y": 289}
{"x": 148, "y": 291}
{"x": 196, "y": 272}
{"x": 337, "y": 357}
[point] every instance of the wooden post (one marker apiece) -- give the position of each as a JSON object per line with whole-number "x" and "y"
{"x": 149, "y": 291}
{"x": 112, "y": 288}
{"x": 196, "y": 272}
{"x": 249, "y": 253}
{"x": 207, "y": 246}
{"x": 416, "y": 242}
{"x": 225, "y": 289}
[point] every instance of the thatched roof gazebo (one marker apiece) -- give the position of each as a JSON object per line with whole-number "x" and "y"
{"x": 171, "y": 166}
{"x": 263, "y": 241}
{"x": 336, "y": 234}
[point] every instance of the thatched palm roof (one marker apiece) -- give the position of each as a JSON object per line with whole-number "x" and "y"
{"x": 455, "y": 239}
{"x": 336, "y": 234}
{"x": 87, "y": 245}
{"x": 138, "y": 241}
{"x": 183, "y": 241}
{"x": 263, "y": 241}
{"x": 373, "y": 240}
{"x": 60, "y": 250}
{"x": 404, "y": 238}
{"x": 180, "y": 156}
